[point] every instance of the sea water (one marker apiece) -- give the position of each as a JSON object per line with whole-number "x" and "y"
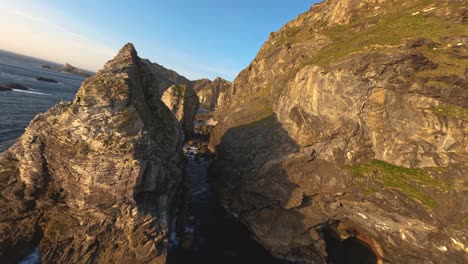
{"x": 19, "y": 107}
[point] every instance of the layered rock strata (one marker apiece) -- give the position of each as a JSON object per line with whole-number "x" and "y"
{"x": 351, "y": 122}
{"x": 211, "y": 92}
{"x": 183, "y": 101}
{"x": 95, "y": 180}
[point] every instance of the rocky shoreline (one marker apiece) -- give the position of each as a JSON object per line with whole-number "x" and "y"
{"x": 344, "y": 141}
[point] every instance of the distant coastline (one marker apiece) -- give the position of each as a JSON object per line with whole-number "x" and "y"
{"x": 52, "y": 64}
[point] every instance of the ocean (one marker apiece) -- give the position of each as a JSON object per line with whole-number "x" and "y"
{"x": 18, "y": 107}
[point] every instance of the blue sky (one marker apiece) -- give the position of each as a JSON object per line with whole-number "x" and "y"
{"x": 204, "y": 38}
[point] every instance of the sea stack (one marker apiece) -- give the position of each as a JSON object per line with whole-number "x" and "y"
{"x": 95, "y": 180}
{"x": 71, "y": 69}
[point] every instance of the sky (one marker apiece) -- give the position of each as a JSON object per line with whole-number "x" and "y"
{"x": 198, "y": 39}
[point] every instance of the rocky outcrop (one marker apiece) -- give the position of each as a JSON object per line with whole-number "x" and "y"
{"x": 166, "y": 77}
{"x": 42, "y": 79}
{"x": 71, "y": 69}
{"x": 351, "y": 123}
{"x": 12, "y": 86}
{"x": 183, "y": 102}
{"x": 209, "y": 92}
{"x": 95, "y": 180}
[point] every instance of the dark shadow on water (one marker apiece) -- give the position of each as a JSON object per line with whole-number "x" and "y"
{"x": 255, "y": 165}
{"x": 212, "y": 234}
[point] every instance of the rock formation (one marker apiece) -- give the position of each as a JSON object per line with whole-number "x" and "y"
{"x": 165, "y": 77}
{"x": 183, "y": 102}
{"x": 12, "y": 86}
{"x": 351, "y": 123}
{"x": 71, "y": 69}
{"x": 95, "y": 180}
{"x": 209, "y": 92}
{"x": 43, "y": 79}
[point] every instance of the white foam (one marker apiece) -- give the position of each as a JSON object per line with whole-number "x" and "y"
{"x": 29, "y": 92}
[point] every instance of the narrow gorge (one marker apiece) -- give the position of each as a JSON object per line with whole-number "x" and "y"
{"x": 343, "y": 141}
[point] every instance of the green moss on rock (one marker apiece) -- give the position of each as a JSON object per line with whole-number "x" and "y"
{"x": 410, "y": 181}
{"x": 450, "y": 110}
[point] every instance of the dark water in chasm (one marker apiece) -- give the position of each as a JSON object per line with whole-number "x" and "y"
{"x": 211, "y": 235}
{"x": 219, "y": 237}
{"x": 216, "y": 234}
{"x": 18, "y": 108}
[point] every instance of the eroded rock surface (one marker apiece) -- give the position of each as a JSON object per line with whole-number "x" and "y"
{"x": 352, "y": 120}
{"x": 183, "y": 101}
{"x": 210, "y": 92}
{"x": 95, "y": 180}
{"x": 166, "y": 77}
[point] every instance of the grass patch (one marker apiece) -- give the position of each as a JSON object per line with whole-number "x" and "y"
{"x": 440, "y": 84}
{"x": 464, "y": 220}
{"x": 409, "y": 180}
{"x": 450, "y": 61}
{"x": 370, "y": 33}
{"x": 390, "y": 30}
{"x": 451, "y": 110}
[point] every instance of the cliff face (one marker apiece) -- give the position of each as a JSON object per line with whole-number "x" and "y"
{"x": 183, "y": 101}
{"x": 352, "y": 121}
{"x": 165, "y": 77}
{"x": 210, "y": 92}
{"x": 95, "y": 180}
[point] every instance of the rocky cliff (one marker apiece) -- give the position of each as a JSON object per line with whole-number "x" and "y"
{"x": 351, "y": 124}
{"x": 95, "y": 180}
{"x": 210, "y": 92}
{"x": 183, "y": 101}
{"x": 166, "y": 77}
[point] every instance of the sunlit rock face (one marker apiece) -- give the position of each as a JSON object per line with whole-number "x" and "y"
{"x": 352, "y": 121}
{"x": 95, "y": 180}
{"x": 183, "y": 101}
{"x": 211, "y": 92}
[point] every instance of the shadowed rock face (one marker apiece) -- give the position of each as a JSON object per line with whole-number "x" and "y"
{"x": 352, "y": 120}
{"x": 182, "y": 100}
{"x": 166, "y": 77}
{"x": 210, "y": 92}
{"x": 95, "y": 180}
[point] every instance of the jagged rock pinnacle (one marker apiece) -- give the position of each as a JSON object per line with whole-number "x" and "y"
{"x": 126, "y": 56}
{"x": 103, "y": 158}
{"x": 117, "y": 80}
